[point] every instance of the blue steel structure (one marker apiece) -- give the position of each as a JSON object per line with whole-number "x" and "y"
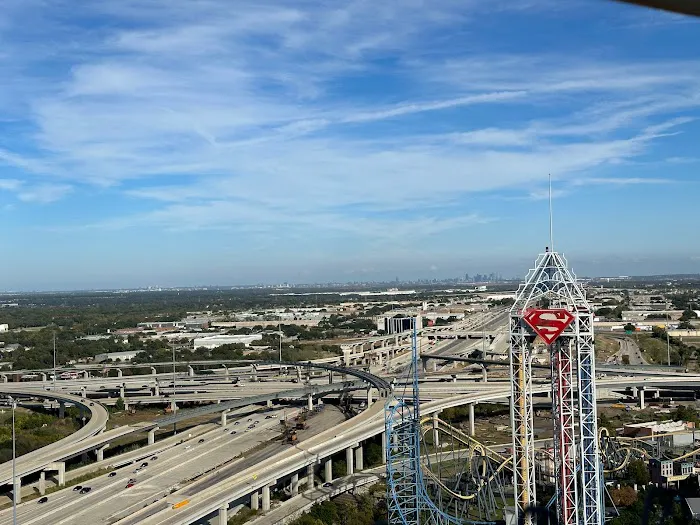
{"x": 411, "y": 498}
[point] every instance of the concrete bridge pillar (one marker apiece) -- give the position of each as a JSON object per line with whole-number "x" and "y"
{"x": 224, "y": 418}
{"x": 255, "y": 500}
{"x": 4, "y": 378}
{"x": 61, "y": 409}
{"x": 225, "y": 371}
{"x": 17, "y": 490}
{"x": 471, "y": 419}
{"x": 310, "y": 477}
{"x": 83, "y": 392}
{"x": 254, "y": 374}
{"x": 484, "y": 374}
{"x": 122, "y": 390}
{"x": 359, "y": 458}
{"x": 223, "y": 514}
{"x": 153, "y": 371}
{"x": 425, "y": 364}
{"x": 190, "y": 371}
{"x": 266, "y": 498}
{"x": 43, "y": 376}
{"x": 635, "y": 391}
{"x": 269, "y": 403}
{"x": 369, "y": 396}
{"x": 383, "y": 448}
{"x": 436, "y": 436}
{"x": 330, "y": 377}
{"x": 100, "y": 452}
{"x": 349, "y": 461}
{"x": 328, "y": 471}
{"x": 152, "y": 435}
{"x": 119, "y": 372}
{"x": 156, "y": 390}
{"x": 657, "y": 393}
{"x": 86, "y": 374}
{"x": 298, "y": 369}
{"x": 173, "y": 405}
{"x": 42, "y": 482}
{"x": 641, "y": 398}
{"x": 310, "y": 402}
{"x": 294, "y": 485}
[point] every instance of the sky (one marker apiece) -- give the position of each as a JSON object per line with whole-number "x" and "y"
{"x": 195, "y": 142}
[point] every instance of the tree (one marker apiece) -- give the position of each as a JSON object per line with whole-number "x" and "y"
{"x": 625, "y": 359}
{"x": 685, "y": 325}
{"x": 119, "y": 405}
{"x": 688, "y": 314}
{"x": 624, "y": 496}
{"x": 638, "y": 472}
{"x": 604, "y": 312}
{"x": 629, "y": 327}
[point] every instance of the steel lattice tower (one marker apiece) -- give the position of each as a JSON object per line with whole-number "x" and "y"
{"x": 552, "y": 304}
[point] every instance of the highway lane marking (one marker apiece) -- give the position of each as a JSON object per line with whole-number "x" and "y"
{"x": 157, "y": 475}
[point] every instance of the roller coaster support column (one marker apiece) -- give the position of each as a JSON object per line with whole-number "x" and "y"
{"x": 471, "y": 419}
{"x": 350, "y": 464}
{"x": 436, "y": 437}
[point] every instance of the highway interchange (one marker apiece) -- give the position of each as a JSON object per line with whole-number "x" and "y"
{"x": 224, "y": 471}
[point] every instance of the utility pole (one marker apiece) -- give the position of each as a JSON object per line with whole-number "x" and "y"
{"x": 14, "y": 460}
{"x": 668, "y": 341}
{"x": 54, "y": 360}
{"x": 279, "y": 327}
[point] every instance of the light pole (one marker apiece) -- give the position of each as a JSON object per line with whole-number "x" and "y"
{"x": 54, "y": 360}
{"x": 13, "y": 403}
{"x": 279, "y": 327}
{"x": 668, "y": 342}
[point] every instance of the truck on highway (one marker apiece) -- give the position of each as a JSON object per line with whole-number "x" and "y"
{"x": 180, "y": 504}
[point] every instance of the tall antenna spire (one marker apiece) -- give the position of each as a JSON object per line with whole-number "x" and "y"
{"x": 551, "y": 220}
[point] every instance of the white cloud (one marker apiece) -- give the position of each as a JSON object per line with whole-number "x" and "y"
{"x": 43, "y": 193}
{"x": 253, "y": 109}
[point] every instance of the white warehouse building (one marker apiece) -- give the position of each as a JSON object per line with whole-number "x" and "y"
{"x": 213, "y": 341}
{"x": 121, "y": 356}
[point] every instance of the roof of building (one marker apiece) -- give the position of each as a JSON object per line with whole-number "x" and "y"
{"x": 694, "y": 506}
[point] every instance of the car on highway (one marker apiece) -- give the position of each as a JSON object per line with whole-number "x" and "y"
{"x": 136, "y": 471}
{"x": 237, "y": 423}
{"x": 154, "y": 458}
{"x": 250, "y": 427}
{"x": 144, "y": 464}
{"x": 201, "y": 441}
{"x": 129, "y": 485}
{"x": 268, "y": 417}
{"x": 233, "y": 432}
{"x": 250, "y": 419}
{"x": 112, "y": 474}
{"x": 85, "y": 490}
{"x": 43, "y": 500}
{"x": 327, "y": 484}
{"x": 77, "y": 488}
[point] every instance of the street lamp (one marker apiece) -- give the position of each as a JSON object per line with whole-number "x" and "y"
{"x": 279, "y": 327}
{"x": 13, "y": 403}
{"x": 668, "y": 341}
{"x": 54, "y": 360}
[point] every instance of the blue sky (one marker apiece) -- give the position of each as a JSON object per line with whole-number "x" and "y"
{"x": 174, "y": 142}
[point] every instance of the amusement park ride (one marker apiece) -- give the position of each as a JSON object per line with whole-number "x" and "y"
{"x": 472, "y": 483}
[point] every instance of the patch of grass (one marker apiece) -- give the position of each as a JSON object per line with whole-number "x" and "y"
{"x": 242, "y": 516}
{"x": 605, "y": 347}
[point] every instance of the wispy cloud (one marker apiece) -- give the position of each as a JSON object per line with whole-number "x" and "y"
{"x": 260, "y": 115}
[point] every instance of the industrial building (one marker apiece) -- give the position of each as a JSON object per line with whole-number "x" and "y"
{"x": 213, "y": 341}
{"x": 114, "y": 356}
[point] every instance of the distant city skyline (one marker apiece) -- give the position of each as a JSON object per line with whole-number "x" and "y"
{"x": 185, "y": 142}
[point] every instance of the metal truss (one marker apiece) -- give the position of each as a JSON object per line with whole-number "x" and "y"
{"x": 521, "y": 415}
{"x": 551, "y": 285}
